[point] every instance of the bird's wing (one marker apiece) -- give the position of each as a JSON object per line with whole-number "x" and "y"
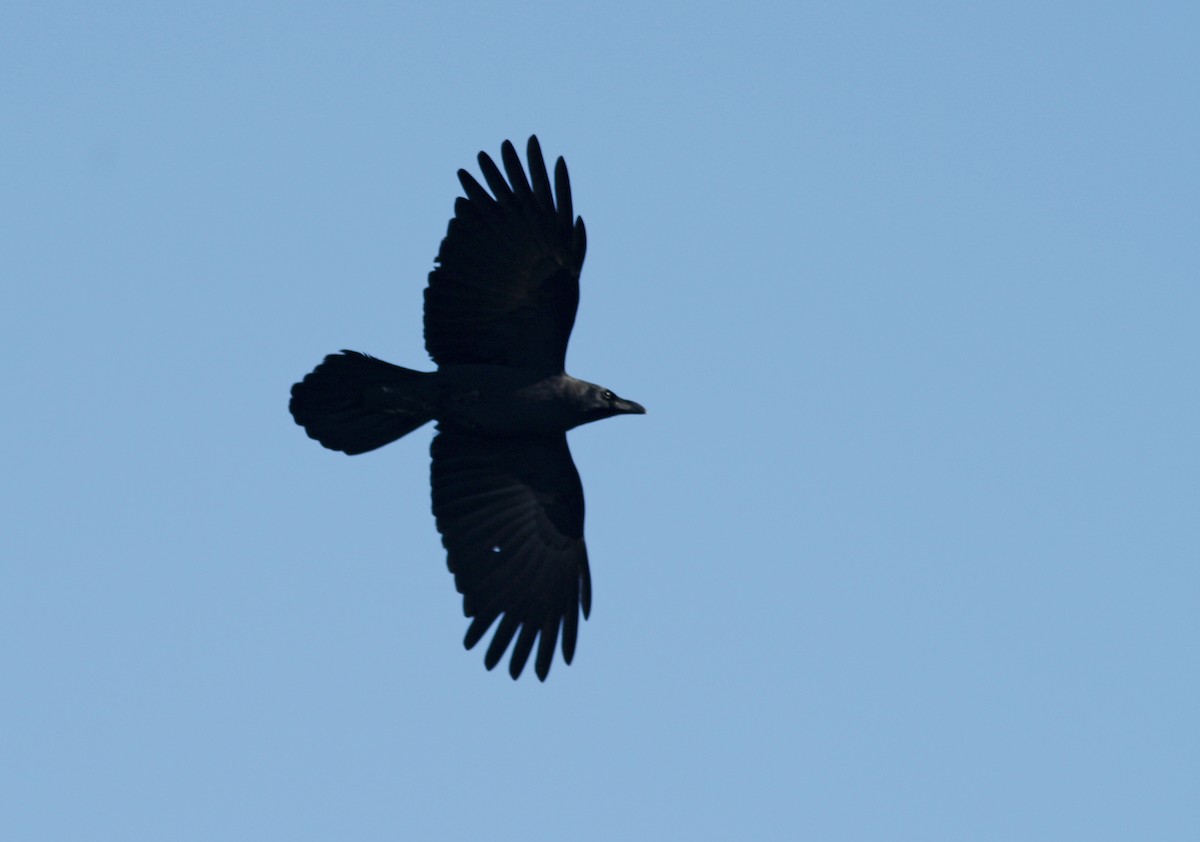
{"x": 506, "y": 284}
{"x": 510, "y": 511}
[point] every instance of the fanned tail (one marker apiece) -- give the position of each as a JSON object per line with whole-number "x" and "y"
{"x": 354, "y": 403}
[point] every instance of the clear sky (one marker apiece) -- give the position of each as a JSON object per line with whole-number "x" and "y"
{"x": 906, "y": 548}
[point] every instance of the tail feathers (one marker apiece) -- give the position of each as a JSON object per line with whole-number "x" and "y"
{"x": 355, "y": 403}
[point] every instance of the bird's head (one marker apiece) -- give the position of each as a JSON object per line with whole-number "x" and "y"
{"x": 597, "y": 402}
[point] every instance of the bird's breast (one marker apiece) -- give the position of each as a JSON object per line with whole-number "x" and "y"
{"x": 497, "y": 400}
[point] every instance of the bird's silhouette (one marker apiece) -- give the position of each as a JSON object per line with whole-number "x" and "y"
{"x": 499, "y": 309}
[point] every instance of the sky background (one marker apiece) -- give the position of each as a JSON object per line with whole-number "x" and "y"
{"x": 906, "y": 547}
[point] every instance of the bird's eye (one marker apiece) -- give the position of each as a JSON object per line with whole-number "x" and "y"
{"x": 608, "y": 396}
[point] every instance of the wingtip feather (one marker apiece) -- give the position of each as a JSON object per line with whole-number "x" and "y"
{"x": 562, "y": 192}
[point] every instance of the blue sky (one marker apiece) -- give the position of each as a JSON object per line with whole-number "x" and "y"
{"x": 906, "y": 547}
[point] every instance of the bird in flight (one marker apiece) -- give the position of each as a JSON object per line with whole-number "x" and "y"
{"x": 507, "y": 499}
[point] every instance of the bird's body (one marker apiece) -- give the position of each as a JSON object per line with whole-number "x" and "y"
{"x": 499, "y": 310}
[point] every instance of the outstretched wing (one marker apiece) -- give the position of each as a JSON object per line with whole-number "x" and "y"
{"x": 510, "y": 512}
{"x": 506, "y": 284}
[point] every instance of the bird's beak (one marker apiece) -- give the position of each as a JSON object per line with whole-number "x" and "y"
{"x": 629, "y": 407}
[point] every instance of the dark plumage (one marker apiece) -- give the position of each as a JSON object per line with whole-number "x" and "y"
{"x": 499, "y": 309}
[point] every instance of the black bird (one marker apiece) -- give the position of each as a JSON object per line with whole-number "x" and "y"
{"x": 499, "y": 309}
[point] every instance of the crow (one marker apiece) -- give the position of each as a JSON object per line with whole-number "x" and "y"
{"x": 499, "y": 309}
